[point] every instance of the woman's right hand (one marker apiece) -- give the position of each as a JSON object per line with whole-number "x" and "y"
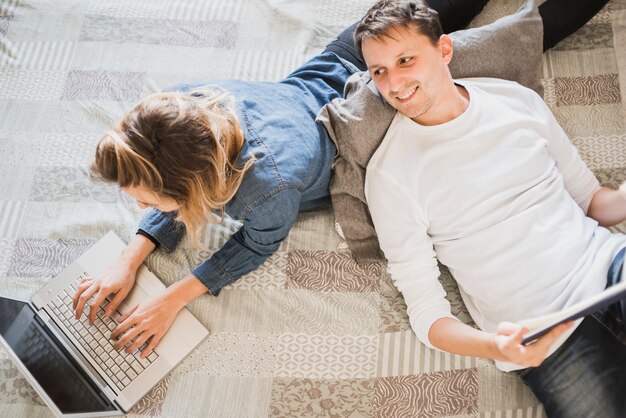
{"x": 116, "y": 282}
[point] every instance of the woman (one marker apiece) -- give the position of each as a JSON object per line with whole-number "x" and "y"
{"x": 251, "y": 150}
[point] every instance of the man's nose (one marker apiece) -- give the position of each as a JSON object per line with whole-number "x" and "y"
{"x": 396, "y": 81}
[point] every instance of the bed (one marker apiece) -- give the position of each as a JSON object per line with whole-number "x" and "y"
{"x": 311, "y": 332}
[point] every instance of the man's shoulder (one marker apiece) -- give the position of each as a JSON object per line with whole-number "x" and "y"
{"x": 494, "y": 85}
{"x": 503, "y": 92}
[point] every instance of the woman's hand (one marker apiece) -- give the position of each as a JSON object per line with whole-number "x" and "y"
{"x": 148, "y": 321}
{"x": 508, "y": 341}
{"x": 117, "y": 280}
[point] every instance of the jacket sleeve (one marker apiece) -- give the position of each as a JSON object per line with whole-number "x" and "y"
{"x": 162, "y": 228}
{"x": 262, "y": 231}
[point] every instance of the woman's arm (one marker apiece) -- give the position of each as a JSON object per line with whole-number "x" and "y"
{"x": 149, "y": 321}
{"x": 259, "y": 237}
{"x": 264, "y": 228}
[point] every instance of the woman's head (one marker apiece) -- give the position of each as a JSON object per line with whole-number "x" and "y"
{"x": 176, "y": 151}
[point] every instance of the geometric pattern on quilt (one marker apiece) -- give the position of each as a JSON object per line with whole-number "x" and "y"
{"x": 602, "y": 152}
{"x": 326, "y": 356}
{"x": 31, "y": 84}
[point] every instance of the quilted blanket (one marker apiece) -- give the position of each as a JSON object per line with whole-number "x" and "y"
{"x": 310, "y": 333}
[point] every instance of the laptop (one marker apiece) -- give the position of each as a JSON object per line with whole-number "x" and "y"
{"x": 73, "y": 365}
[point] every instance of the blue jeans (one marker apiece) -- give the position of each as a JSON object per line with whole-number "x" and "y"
{"x": 586, "y": 376}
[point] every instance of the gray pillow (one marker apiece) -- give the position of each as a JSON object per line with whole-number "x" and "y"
{"x": 510, "y": 48}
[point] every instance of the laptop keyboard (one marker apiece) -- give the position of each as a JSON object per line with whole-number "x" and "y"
{"x": 121, "y": 367}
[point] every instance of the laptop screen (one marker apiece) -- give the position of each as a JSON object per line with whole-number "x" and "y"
{"x": 47, "y": 361}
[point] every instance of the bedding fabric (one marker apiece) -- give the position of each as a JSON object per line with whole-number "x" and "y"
{"x": 311, "y": 332}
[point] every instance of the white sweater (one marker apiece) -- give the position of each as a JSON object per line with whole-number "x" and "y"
{"x": 498, "y": 195}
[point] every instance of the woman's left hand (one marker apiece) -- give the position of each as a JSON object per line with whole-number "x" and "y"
{"x": 148, "y": 321}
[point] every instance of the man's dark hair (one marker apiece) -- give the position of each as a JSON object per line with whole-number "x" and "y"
{"x": 387, "y": 14}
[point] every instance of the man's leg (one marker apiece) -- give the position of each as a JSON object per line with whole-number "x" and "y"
{"x": 585, "y": 377}
{"x": 456, "y": 14}
{"x": 614, "y": 316}
{"x": 564, "y": 17}
{"x": 453, "y": 14}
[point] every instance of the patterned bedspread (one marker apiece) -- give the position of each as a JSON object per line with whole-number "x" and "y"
{"x": 310, "y": 333}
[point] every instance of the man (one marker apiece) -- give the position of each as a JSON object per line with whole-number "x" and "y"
{"x": 478, "y": 174}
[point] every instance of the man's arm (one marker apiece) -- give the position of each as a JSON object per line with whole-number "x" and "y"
{"x": 453, "y": 336}
{"x": 413, "y": 267}
{"x": 608, "y": 206}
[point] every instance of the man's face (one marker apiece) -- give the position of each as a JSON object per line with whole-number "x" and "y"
{"x": 409, "y": 71}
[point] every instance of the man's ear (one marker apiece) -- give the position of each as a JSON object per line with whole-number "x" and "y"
{"x": 447, "y": 49}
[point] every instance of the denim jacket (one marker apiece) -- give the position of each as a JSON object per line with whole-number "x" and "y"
{"x": 291, "y": 172}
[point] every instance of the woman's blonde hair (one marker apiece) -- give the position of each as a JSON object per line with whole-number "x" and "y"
{"x": 182, "y": 146}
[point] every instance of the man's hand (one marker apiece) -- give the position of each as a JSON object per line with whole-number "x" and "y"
{"x": 508, "y": 341}
{"x": 453, "y": 336}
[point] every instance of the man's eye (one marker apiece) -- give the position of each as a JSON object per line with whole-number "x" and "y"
{"x": 378, "y": 72}
{"x": 405, "y": 60}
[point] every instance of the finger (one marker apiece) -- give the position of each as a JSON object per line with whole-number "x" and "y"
{"x": 127, "y": 338}
{"x": 79, "y": 290}
{"x": 83, "y": 298}
{"x": 546, "y": 341}
{"x": 508, "y": 328}
{"x": 154, "y": 341}
{"x": 138, "y": 342}
{"x": 124, "y": 324}
{"x": 115, "y": 302}
{"x": 518, "y": 335}
{"x": 95, "y": 305}
{"x": 125, "y": 316}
